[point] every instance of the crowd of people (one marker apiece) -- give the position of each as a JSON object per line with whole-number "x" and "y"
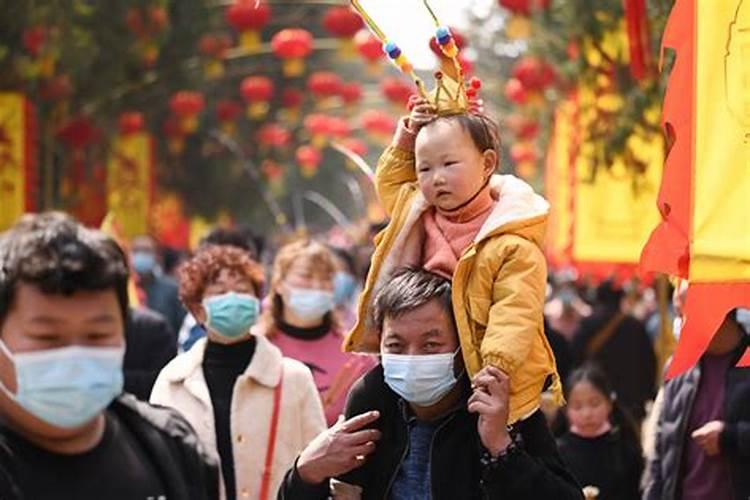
{"x": 447, "y": 364}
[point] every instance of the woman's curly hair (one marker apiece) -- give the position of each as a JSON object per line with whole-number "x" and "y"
{"x": 200, "y": 271}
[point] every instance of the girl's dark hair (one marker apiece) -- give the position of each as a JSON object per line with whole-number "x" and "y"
{"x": 481, "y": 128}
{"x": 620, "y": 418}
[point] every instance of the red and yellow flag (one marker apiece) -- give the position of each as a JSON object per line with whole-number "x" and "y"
{"x": 130, "y": 184}
{"x": 704, "y": 235}
{"x": 17, "y": 158}
{"x": 601, "y": 213}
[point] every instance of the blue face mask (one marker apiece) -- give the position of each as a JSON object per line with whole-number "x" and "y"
{"x": 144, "y": 262}
{"x": 231, "y": 314}
{"x": 421, "y": 379}
{"x": 344, "y": 286}
{"x": 69, "y": 386}
{"x": 310, "y": 303}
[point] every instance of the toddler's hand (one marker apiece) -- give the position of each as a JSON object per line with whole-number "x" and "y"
{"x": 422, "y": 113}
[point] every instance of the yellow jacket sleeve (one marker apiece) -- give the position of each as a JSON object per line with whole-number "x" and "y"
{"x": 515, "y": 316}
{"x": 395, "y": 168}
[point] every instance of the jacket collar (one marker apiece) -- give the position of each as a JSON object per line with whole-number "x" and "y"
{"x": 517, "y": 206}
{"x": 264, "y": 368}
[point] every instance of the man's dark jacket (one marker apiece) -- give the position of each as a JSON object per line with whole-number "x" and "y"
{"x": 664, "y": 472}
{"x": 187, "y": 471}
{"x": 457, "y": 473}
{"x": 150, "y": 343}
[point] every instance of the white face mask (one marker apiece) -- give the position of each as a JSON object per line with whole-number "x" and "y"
{"x": 420, "y": 379}
{"x": 68, "y": 386}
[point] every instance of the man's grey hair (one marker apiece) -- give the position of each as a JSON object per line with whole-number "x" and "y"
{"x": 407, "y": 290}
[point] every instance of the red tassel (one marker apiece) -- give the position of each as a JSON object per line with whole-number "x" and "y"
{"x": 638, "y": 37}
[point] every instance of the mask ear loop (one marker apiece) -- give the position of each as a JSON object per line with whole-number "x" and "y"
{"x": 8, "y": 354}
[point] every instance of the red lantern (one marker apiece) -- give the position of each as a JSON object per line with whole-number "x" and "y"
{"x": 214, "y": 48}
{"x": 34, "y": 39}
{"x": 272, "y": 170}
{"x": 370, "y": 48}
{"x": 342, "y": 22}
{"x": 79, "y": 133}
{"x": 338, "y": 128}
{"x": 130, "y": 122}
{"x": 309, "y": 159}
{"x": 350, "y": 93}
{"x": 356, "y": 146}
{"x": 515, "y": 92}
{"x": 397, "y": 91}
{"x": 291, "y": 102}
{"x": 523, "y": 152}
{"x": 273, "y": 135}
{"x": 248, "y": 17}
{"x": 379, "y": 126}
{"x": 318, "y": 126}
{"x": 292, "y": 46}
{"x": 257, "y": 91}
{"x": 187, "y": 105}
{"x": 534, "y": 74}
{"x": 324, "y": 84}
{"x": 227, "y": 112}
{"x": 524, "y": 128}
{"x": 524, "y": 7}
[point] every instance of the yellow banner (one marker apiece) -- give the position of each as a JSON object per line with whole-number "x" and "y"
{"x": 615, "y": 208}
{"x": 129, "y": 183}
{"x": 720, "y": 249}
{"x": 558, "y": 183}
{"x": 13, "y": 161}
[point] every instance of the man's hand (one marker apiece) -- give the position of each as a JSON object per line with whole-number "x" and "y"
{"x": 490, "y": 401}
{"x": 421, "y": 113}
{"x": 338, "y": 450}
{"x": 707, "y": 437}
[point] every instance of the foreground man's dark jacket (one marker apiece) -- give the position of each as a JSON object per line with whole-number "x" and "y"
{"x": 535, "y": 472}
{"x": 187, "y": 472}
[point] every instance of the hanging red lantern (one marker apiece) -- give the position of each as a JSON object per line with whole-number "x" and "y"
{"x": 175, "y": 135}
{"x": 274, "y": 173}
{"x": 350, "y": 93}
{"x": 227, "y": 112}
{"x": 214, "y": 48}
{"x": 324, "y": 85}
{"x": 309, "y": 159}
{"x": 523, "y": 127}
{"x": 186, "y": 106}
{"x": 291, "y": 102}
{"x": 370, "y": 49}
{"x": 338, "y": 128}
{"x": 356, "y": 146}
{"x": 397, "y": 91}
{"x": 292, "y": 46}
{"x": 34, "y": 39}
{"x": 534, "y": 73}
{"x": 525, "y": 157}
{"x": 248, "y": 17}
{"x": 130, "y": 122}
{"x": 343, "y": 23}
{"x": 273, "y": 135}
{"x": 524, "y": 7}
{"x": 257, "y": 91}
{"x": 79, "y": 133}
{"x": 379, "y": 125}
{"x": 318, "y": 126}
{"x": 515, "y": 92}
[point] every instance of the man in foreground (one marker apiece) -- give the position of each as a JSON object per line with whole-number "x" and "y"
{"x": 67, "y": 431}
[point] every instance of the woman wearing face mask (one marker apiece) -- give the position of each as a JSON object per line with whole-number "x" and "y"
{"x": 302, "y": 323}
{"x": 247, "y": 403}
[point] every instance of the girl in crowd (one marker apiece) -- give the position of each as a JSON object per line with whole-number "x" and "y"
{"x": 247, "y": 403}
{"x": 302, "y": 323}
{"x": 450, "y": 215}
{"x": 601, "y": 447}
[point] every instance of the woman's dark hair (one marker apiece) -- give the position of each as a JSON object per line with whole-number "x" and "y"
{"x": 55, "y": 253}
{"x": 620, "y": 418}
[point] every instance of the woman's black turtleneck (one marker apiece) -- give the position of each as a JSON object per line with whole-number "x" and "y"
{"x": 222, "y": 364}
{"x": 312, "y": 333}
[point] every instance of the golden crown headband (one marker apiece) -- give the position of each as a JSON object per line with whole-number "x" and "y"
{"x": 450, "y": 96}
